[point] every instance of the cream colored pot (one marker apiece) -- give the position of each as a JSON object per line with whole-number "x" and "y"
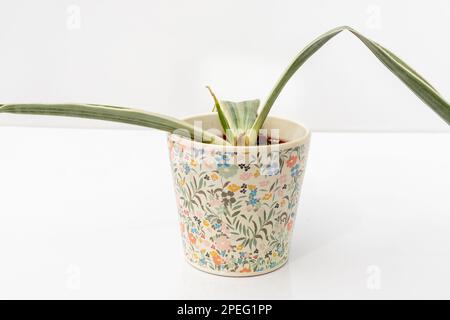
{"x": 237, "y": 205}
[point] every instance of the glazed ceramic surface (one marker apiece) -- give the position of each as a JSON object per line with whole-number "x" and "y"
{"x": 237, "y": 205}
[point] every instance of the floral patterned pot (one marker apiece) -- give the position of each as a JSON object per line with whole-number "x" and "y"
{"x": 237, "y": 205}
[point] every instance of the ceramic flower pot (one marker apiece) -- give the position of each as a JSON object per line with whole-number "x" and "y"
{"x": 237, "y": 205}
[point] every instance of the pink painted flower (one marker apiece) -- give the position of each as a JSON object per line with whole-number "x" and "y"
{"x": 199, "y": 214}
{"x": 280, "y": 193}
{"x": 264, "y": 183}
{"x": 222, "y": 243}
{"x": 246, "y": 175}
{"x": 225, "y": 230}
{"x": 205, "y": 244}
{"x": 215, "y": 203}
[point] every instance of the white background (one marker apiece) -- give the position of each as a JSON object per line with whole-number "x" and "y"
{"x": 91, "y": 213}
{"x": 160, "y": 54}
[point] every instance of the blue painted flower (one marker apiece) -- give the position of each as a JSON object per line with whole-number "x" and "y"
{"x": 295, "y": 170}
{"x": 223, "y": 161}
{"x": 187, "y": 169}
{"x": 271, "y": 169}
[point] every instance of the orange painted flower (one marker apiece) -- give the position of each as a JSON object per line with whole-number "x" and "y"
{"x": 206, "y": 223}
{"x": 290, "y": 224}
{"x": 292, "y": 160}
{"x": 251, "y": 187}
{"x": 245, "y": 270}
{"x": 192, "y": 238}
{"x": 267, "y": 196}
{"x": 233, "y": 187}
{"x": 214, "y": 176}
{"x": 217, "y": 259}
{"x": 256, "y": 174}
{"x": 193, "y": 163}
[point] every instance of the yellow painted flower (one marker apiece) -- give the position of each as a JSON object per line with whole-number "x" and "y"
{"x": 182, "y": 182}
{"x": 233, "y": 187}
{"x": 214, "y": 176}
{"x": 267, "y": 196}
{"x": 193, "y": 163}
{"x": 239, "y": 247}
{"x": 256, "y": 174}
{"x": 206, "y": 223}
{"x": 251, "y": 187}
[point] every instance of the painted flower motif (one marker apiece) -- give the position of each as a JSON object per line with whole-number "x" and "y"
{"x": 233, "y": 187}
{"x": 264, "y": 183}
{"x": 182, "y": 182}
{"x": 223, "y": 160}
{"x": 214, "y": 176}
{"x": 290, "y": 224}
{"x": 216, "y": 258}
{"x": 187, "y": 169}
{"x": 256, "y": 174}
{"x": 215, "y": 203}
{"x": 193, "y": 163}
{"x": 252, "y": 199}
{"x": 192, "y": 238}
{"x": 295, "y": 170}
{"x": 292, "y": 161}
{"x": 199, "y": 214}
{"x": 267, "y": 196}
{"x": 245, "y": 176}
{"x": 271, "y": 169}
{"x": 222, "y": 243}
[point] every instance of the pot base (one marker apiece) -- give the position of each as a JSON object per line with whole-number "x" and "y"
{"x": 235, "y": 274}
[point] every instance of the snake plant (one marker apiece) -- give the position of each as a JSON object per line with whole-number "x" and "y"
{"x": 241, "y": 121}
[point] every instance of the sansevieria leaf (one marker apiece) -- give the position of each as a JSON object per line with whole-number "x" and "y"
{"x": 422, "y": 88}
{"x": 236, "y": 117}
{"x": 116, "y": 114}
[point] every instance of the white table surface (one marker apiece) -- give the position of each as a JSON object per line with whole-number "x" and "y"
{"x": 90, "y": 213}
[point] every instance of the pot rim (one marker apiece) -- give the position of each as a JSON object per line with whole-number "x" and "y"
{"x": 287, "y": 145}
